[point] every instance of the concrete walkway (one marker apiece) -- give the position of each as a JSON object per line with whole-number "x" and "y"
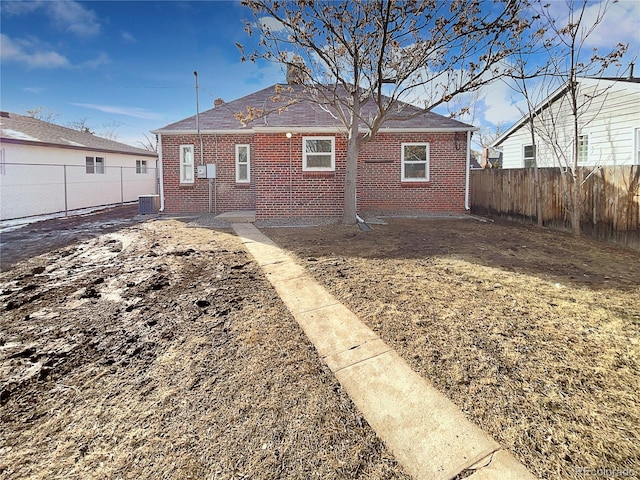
{"x": 428, "y": 435}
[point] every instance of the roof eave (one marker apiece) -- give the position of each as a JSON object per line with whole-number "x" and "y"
{"x": 74, "y": 147}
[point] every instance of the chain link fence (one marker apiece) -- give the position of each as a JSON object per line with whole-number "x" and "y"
{"x": 38, "y": 189}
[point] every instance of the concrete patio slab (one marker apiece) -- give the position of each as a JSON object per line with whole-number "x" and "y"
{"x": 427, "y": 433}
{"x": 240, "y": 216}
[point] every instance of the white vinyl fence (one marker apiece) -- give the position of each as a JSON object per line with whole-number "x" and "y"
{"x": 32, "y": 189}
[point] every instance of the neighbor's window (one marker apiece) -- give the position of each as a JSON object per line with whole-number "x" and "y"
{"x": 583, "y": 148}
{"x": 529, "y": 155}
{"x": 636, "y": 150}
{"x": 415, "y": 162}
{"x": 141, "y": 166}
{"x": 243, "y": 163}
{"x": 318, "y": 154}
{"x": 186, "y": 163}
{"x": 94, "y": 164}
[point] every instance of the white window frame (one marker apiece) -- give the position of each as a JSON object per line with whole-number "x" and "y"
{"x": 248, "y": 163}
{"x": 305, "y": 155}
{"x": 184, "y": 164}
{"x": 411, "y": 162}
{"x": 584, "y": 161}
{"x": 96, "y": 166}
{"x": 636, "y": 146}
{"x": 141, "y": 167}
{"x": 524, "y": 157}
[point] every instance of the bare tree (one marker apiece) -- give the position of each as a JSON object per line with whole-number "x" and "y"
{"x": 523, "y": 71}
{"x": 150, "y": 142}
{"x": 384, "y": 52}
{"x": 43, "y": 113}
{"x": 106, "y": 130}
{"x": 566, "y": 44}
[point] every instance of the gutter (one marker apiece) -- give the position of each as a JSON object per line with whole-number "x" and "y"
{"x": 468, "y": 173}
{"x": 160, "y": 172}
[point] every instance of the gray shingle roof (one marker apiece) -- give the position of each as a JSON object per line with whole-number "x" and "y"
{"x": 302, "y": 113}
{"x": 22, "y": 129}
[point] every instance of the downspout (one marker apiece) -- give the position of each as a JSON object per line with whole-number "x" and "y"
{"x": 160, "y": 173}
{"x": 466, "y": 186}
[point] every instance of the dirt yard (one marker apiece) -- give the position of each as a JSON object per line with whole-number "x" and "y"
{"x": 157, "y": 350}
{"x": 532, "y": 333}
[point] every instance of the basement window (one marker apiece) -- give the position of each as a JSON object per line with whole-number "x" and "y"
{"x": 318, "y": 154}
{"x": 243, "y": 163}
{"x": 94, "y": 165}
{"x": 186, "y": 164}
{"x": 415, "y": 162}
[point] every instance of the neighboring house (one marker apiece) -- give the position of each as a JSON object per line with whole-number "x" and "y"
{"x": 291, "y": 162}
{"x": 491, "y": 158}
{"x": 474, "y": 164}
{"x": 46, "y": 168}
{"x": 608, "y": 122}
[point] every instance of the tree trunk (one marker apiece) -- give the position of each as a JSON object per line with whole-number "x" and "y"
{"x": 351, "y": 174}
{"x": 350, "y": 181}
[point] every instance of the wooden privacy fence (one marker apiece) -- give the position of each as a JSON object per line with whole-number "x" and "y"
{"x": 610, "y": 199}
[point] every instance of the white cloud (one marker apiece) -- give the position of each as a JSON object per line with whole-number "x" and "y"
{"x": 34, "y": 90}
{"x": 127, "y": 111}
{"x": 101, "y": 59}
{"x": 66, "y": 15}
{"x": 29, "y": 53}
{"x": 619, "y": 23}
{"x": 128, "y": 37}
{"x": 501, "y": 104}
{"x": 272, "y": 24}
{"x": 74, "y": 18}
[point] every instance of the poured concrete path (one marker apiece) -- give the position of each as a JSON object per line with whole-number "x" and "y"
{"x": 428, "y": 435}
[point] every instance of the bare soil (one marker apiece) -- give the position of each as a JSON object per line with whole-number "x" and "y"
{"x": 158, "y": 350}
{"x": 533, "y": 333}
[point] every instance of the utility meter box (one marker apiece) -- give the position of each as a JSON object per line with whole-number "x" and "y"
{"x": 206, "y": 171}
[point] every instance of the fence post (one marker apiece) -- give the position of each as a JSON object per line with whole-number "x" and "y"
{"x": 121, "y": 187}
{"x": 66, "y": 204}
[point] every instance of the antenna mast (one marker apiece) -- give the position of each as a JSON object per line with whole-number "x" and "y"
{"x": 195, "y": 73}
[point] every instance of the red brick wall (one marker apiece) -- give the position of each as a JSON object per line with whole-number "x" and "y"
{"x": 306, "y": 194}
{"x": 194, "y": 198}
{"x": 278, "y": 191}
{"x": 379, "y": 174}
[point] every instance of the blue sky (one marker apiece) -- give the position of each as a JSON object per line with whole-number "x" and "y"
{"x": 127, "y": 67}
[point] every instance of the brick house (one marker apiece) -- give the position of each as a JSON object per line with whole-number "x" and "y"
{"x": 289, "y": 160}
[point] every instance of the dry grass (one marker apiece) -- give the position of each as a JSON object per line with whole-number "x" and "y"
{"x": 533, "y": 334}
{"x": 160, "y": 351}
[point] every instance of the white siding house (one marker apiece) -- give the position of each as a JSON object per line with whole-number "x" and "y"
{"x": 46, "y": 168}
{"x": 608, "y": 123}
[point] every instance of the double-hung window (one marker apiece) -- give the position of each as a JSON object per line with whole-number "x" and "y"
{"x": 318, "y": 154}
{"x": 415, "y": 162}
{"x": 243, "y": 164}
{"x": 94, "y": 164}
{"x": 529, "y": 155}
{"x": 141, "y": 166}
{"x": 186, "y": 164}
{"x": 583, "y": 149}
